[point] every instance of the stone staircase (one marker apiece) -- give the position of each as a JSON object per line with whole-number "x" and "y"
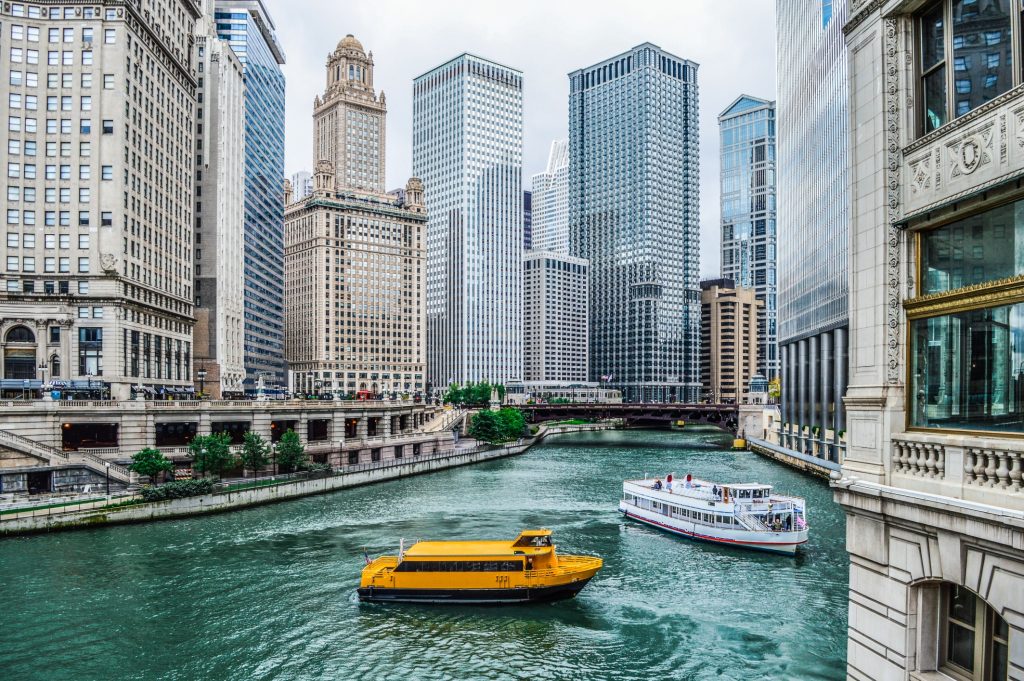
{"x": 446, "y": 420}
{"x": 55, "y": 457}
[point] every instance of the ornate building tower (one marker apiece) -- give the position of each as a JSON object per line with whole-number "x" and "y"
{"x": 355, "y": 257}
{"x": 348, "y": 120}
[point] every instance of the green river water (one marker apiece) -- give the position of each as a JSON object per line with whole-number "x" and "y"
{"x": 269, "y": 593}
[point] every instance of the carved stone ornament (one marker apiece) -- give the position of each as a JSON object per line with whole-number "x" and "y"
{"x": 970, "y": 152}
{"x": 108, "y": 263}
{"x": 893, "y": 302}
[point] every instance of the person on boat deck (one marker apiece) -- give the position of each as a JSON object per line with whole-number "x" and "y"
{"x": 668, "y": 482}
{"x": 657, "y": 484}
{"x": 689, "y": 481}
{"x": 714, "y": 491}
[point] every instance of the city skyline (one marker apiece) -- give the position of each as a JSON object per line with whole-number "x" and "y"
{"x": 708, "y": 33}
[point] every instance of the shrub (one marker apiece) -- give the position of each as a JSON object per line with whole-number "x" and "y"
{"x": 178, "y": 489}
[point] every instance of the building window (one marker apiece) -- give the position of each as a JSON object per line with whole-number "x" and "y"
{"x": 90, "y": 351}
{"x": 975, "y": 637}
{"x": 966, "y": 338}
{"x": 976, "y": 39}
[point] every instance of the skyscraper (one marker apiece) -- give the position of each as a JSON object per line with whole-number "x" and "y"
{"x": 554, "y": 317}
{"x": 527, "y": 220}
{"x": 729, "y": 343}
{"x": 634, "y": 214}
{"x": 814, "y": 129}
{"x": 551, "y": 201}
{"x": 747, "y": 129}
{"x": 467, "y": 149}
{"x": 355, "y": 280}
{"x": 220, "y": 215}
{"x": 98, "y": 270}
{"x": 247, "y": 27}
{"x": 302, "y": 185}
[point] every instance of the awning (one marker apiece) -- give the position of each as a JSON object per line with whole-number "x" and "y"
{"x": 20, "y": 383}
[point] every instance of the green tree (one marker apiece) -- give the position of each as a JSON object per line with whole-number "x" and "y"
{"x": 774, "y": 389}
{"x": 497, "y": 426}
{"x": 291, "y": 455}
{"x": 151, "y": 462}
{"x": 212, "y": 453}
{"x": 484, "y": 427}
{"x": 255, "y": 451}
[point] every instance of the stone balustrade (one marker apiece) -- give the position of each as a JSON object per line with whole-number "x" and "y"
{"x": 993, "y": 468}
{"x": 921, "y": 459}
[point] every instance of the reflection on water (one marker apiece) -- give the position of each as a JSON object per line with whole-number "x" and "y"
{"x": 269, "y": 592}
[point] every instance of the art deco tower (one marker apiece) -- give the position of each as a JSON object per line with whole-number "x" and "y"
{"x": 355, "y": 279}
{"x": 348, "y": 121}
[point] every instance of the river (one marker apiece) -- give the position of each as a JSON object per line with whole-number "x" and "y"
{"x": 269, "y": 592}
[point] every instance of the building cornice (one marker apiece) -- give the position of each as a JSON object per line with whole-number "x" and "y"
{"x": 990, "y": 294}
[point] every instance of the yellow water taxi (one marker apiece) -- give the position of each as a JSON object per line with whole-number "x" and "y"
{"x": 526, "y": 569}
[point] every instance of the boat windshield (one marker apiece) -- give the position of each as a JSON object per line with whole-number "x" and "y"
{"x": 544, "y": 540}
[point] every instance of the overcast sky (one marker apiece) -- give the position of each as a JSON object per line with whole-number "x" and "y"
{"x": 732, "y": 40}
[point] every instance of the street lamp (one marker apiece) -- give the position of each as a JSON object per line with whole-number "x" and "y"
{"x": 201, "y": 375}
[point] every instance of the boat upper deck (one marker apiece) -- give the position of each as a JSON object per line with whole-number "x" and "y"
{"x": 747, "y": 495}
{"x": 530, "y": 542}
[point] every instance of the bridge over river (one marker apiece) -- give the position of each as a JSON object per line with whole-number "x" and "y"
{"x": 725, "y": 416}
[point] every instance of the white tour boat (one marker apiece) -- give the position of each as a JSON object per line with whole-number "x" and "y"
{"x": 744, "y": 515}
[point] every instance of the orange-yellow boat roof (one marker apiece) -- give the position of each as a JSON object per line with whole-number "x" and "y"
{"x": 502, "y": 547}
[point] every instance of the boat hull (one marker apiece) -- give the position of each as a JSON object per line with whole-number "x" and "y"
{"x": 544, "y": 594}
{"x": 702, "y": 533}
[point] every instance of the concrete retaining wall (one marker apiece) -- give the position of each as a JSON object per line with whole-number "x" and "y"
{"x": 216, "y": 503}
{"x": 793, "y": 459}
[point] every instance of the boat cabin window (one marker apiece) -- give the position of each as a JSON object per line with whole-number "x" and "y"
{"x": 744, "y": 494}
{"x": 541, "y": 540}
{"x": 460, "y": 566}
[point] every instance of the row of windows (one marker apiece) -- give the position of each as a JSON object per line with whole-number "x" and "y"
{"x": 53, "y": 57}
{"x": 18, "y": 9}
{"x": 28, "y": 264}
{"x": 57, "y": 35}
{"x": 460, "y": 566}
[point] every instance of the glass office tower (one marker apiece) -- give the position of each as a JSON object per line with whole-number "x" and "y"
{"x": 747, "y": 131}
{"x": 813, "y": 220}
{"x": 551, "y": 202}
{"x": 468, "y": 150}
{"x": 248, "y": 28}
{"x": 634, "y": 214}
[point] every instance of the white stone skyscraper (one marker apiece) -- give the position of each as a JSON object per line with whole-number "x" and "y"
{"x": 467, "y": 149}
{"x": 100, "y": 137}
{"x": 551, "y": 202}
{"x": 220, "y": 214}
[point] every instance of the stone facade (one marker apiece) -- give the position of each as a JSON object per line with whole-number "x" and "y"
{"x": 355, "y": 271}
{"x": 218, "y": 337}
{"x": 555, "y": 314}
{"x": 931, "y": 482}
{"x": 100, "y": 140}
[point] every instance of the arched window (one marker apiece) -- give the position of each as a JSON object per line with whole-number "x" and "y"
{"x": 21, "y": 334}
{"x": 972, "y": 636}
{"x": 54, "y": 367}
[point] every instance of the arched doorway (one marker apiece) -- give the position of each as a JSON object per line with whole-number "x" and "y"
{"x": 20, "y": 353}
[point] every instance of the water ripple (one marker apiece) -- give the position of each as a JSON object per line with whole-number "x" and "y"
{"x": 269, "y": 593}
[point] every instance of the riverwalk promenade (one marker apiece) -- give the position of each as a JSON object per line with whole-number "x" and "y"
{"x": 129, "y": 508}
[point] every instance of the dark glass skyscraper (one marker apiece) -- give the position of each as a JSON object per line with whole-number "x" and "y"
{"x": 634, "y": 213}
{"x": 248, "y": 28}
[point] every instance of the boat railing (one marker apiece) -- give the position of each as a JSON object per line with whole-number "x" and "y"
{"x": 752, "y": 522}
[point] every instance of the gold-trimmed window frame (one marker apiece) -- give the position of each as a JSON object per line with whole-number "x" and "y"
{"x": 989, "y": 294}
